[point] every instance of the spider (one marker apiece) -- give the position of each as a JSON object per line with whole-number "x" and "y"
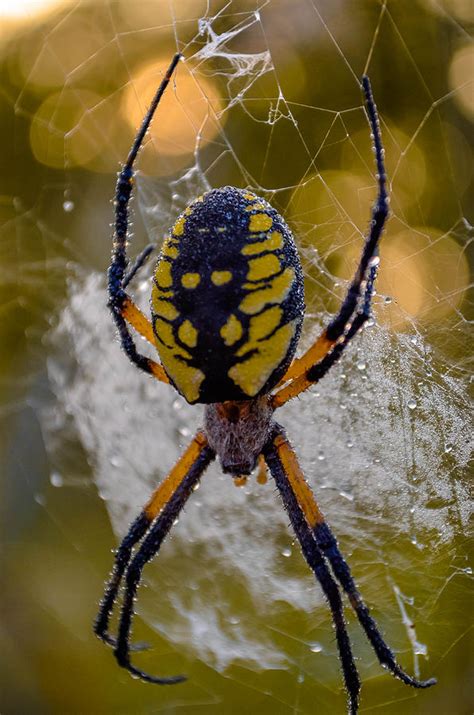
{"x": 227, "y": 307}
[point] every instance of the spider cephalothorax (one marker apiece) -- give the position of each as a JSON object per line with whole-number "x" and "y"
{"x": 227, "y": 307}
{"x": 238, "y": 431}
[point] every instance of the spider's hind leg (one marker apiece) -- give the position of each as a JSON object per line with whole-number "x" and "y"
{"x": 180, "y": 480}
{"x": 287, "y": 472}
{"x": 161, "y": 511}
{"x": 302, "y": 509}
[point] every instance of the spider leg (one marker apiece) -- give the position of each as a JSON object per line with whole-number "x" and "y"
{"x": 157, "y": 503}
{"x": 297, "y": 501}
{"x": 327, "y": 543}
{"x": 139, "y": 261}
{"x": 315, "y": 373}
{"x": 162, "y": 510}
{"x": 120, "y": 304}
{"x": 339, "y": 329}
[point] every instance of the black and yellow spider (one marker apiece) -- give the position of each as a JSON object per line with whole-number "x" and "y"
{"x": 227, "y": 306}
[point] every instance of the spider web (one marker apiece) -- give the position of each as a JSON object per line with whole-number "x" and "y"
{"x": 268, "y": 98}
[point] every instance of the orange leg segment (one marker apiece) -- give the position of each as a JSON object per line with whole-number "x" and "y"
{"x": 142, "y": 325}
{"x": 300, "y": 486}
{"x": 168, "y": 486}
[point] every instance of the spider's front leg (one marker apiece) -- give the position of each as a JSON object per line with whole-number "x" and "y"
{"x": 152, "y": 525}
{"x": 123, "y": 309}
{"x": 300, "y": 503}
{"x": 327, "y": 349}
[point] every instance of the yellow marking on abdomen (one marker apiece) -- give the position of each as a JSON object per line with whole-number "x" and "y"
{"x": 164, "y": 308}
{"x": 272, "y": 243}
{"x": 251, "y": 374}
{"x": 190, "y": 280}
{"x": 263, "y": 324}
{"x": 275, "y": 291}
{"x": 249, "y": 196}
{"x": 168, "y": 486}
{"x": 219, "y": 278}
{"x": 260, "y": 222}
{"x": 178, "y": 228}
{"x": 187, "y": 333}
{"x": 231, "y": 331}
{"x": 258, "y": 206}
{"x": 263, "y": 267}
{"x": 163, "y": 274}
{"x": 170, "y": 249}
{"x": 165, "y": 333}
{"x": 303, "y": 493}
{"x": 186, "y": 378}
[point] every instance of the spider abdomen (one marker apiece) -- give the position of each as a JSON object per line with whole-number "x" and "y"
{"x": 227, "y": 301}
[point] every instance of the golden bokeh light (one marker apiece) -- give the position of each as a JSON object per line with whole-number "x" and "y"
{"x": 75, "y": 53}
{"x": 76, "y": 128}
{"x": 26, "y": 10}
{"x": 404, "y": 159}
{"x": 185, "y": 119}
{"x": 461, "y": 79}
{"x": 462, "y": 10}
{"x": 330, "y": 209}
{"x": 155, "y": 15}
{"x": 423, "y": 273}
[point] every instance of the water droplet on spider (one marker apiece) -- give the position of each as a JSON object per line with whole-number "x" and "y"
{"x": 349, "y": 444}
{"x": 414, "y": 340}
{"x": 448, "y": 447}
{"x": 184, "y": 431}
{"x": 374, "y": 261}
{"x": 315, "y": 647}
{"x": 387, "y": 299}
{"x": 196, "y": 487}
{"x": 234, "y": 620}
{"x": 56, "y": 479}
{"x": 175, "y": 197}
{"x": 361, "y": 365}
{"x": 370, "y": 323}
{"x": 178, "y": 405}
{"x": 68, "y": 206}
{"x": 116, "y": 462}
{"x": 412, "y": 404}
{"x": 343, "y": 406}
{"x": 286, "y": 552}
{"x": 321, "y": 456}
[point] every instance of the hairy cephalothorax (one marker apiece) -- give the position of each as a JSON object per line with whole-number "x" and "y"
{"x": 227, "y": 308}
{"x": 237, "y": 432}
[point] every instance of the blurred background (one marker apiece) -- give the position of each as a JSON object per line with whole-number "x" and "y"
{"x": 269, "y": 98}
